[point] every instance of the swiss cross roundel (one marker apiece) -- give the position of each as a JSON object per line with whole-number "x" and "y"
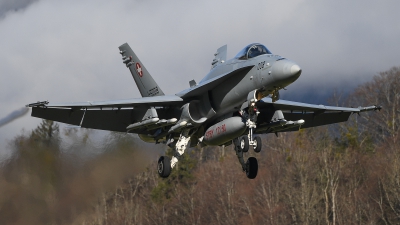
{"x": 139, "y": 69}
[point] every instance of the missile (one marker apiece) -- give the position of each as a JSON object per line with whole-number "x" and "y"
{"x": 142, "y": 124}
{"x": 280, "y": 125}
{"x": 162, "y": 123}
{"x": 178, "y": 126}
{"x": 289, "y": 124}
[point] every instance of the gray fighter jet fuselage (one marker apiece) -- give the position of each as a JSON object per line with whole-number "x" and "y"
{"x": 234, "y": 103}
{"x": 264, "y": 72}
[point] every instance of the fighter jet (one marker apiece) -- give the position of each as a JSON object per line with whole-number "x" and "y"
{"x": 237, "y": 101}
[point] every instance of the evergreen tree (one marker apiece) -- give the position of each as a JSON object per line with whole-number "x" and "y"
{"x": 47, "y": 133}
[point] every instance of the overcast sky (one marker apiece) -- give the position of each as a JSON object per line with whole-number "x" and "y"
{"x": 65, "y": 51}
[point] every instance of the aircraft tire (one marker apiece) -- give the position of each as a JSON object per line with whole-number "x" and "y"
{"x": 251, "y": 168}
{"x": 257, "y": 144}
{"x": 164, "y": 166}
{"x": 244, "y": 144}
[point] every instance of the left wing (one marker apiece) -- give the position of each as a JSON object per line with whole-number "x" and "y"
{"x": 114, "y": 115}
{"x": 282, "y": 116}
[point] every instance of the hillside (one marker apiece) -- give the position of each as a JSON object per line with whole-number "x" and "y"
{"x": 341, "y": 174}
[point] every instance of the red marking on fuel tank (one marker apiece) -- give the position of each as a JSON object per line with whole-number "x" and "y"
{"x": 209, "y": 134}
{"x": 220, "y": 129}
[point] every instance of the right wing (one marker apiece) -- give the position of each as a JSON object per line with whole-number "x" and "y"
{"x": 297, "y": 114}
{"x": 114, "y": 115}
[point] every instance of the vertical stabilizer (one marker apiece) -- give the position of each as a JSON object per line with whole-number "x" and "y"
{"x": 144, "y": 81}
{"x": 220, "y": 56}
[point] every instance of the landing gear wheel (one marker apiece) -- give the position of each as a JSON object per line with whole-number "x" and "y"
{"x": 244, "y": 144}
{"x": 257, "y": 144}
{"x": 164, "y": 166}
{"x": 251, "y": 168}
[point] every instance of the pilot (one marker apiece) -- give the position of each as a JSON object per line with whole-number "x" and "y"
{"x": 254, "y": 51}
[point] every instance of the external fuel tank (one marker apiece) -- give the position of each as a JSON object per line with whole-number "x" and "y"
{"x": 224, "y": 131}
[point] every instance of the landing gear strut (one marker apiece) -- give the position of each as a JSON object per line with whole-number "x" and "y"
{"x": 242, "y": 144}
{"x": 165, "y": 166}
{"x": 250, "y": 114}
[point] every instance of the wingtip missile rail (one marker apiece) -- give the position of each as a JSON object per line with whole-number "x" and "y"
{"x": 38, "y": 104}
{"x": 370, "y": 108}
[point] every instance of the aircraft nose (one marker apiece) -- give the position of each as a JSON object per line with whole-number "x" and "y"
{"x": 295, "y": 70}
{"x": 286, "y": 71}
{"x": 291, "y": 71}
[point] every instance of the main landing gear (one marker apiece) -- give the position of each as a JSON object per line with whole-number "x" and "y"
{"x": 241, "y": 145}
{"x": 165, "y": 165}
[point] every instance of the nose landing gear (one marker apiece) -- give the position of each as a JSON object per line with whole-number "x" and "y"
{"x": 243, "y": 143}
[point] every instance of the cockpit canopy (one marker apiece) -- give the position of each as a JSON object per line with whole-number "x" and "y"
{"x": 251, "y": 51}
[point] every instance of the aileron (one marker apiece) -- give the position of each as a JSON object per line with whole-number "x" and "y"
{"x": 63, "y": 115}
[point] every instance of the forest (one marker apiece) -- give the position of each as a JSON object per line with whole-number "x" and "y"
{"x": 348, "y": 173}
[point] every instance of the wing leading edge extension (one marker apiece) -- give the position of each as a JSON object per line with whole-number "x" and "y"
{"x": 211, "y": 83}
{"x": 302, "y": 115}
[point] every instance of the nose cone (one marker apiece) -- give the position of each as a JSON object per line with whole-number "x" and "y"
{"x": 286, "y": 72}
{"x": 291, "y": 71}
{"x": 295, "y": 70}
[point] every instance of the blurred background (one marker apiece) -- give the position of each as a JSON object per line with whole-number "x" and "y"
{"x": 66, "y": 51}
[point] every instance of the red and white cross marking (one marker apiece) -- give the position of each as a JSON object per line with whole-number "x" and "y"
{"x": 139, "y": 69}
